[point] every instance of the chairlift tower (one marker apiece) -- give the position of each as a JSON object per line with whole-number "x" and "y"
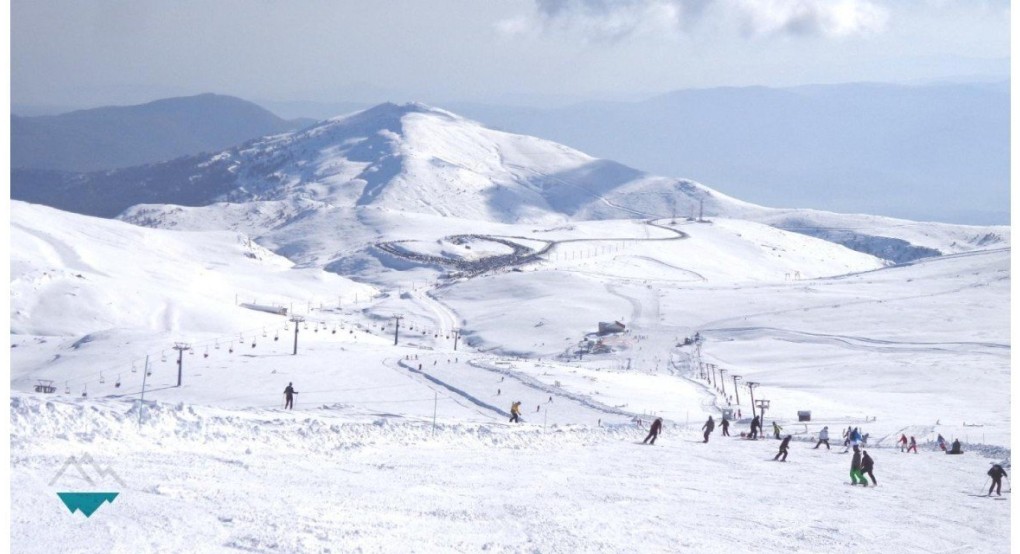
{"x": 180, "y": 347}
{"x": 297, "y": 319}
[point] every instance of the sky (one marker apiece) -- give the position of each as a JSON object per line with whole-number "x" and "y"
{"x": 84, "y": 53}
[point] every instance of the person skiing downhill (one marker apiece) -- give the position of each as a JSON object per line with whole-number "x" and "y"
{"x": 515, "y": 412}
{"x": 725, "y": 427}
{"x": 913, "y": 446}
{"x": 776, "y": 429}
{"x": 867, "y": 465}
{"x": 289, "y": 393}
{"x": 783, "y": 448}
{"x": 709, "y": 426}
{"x": 996, "y": 473}
{"x": 823, "y": 437}
{"x": 855, "y": 469}
{"x": 653, "y": 433}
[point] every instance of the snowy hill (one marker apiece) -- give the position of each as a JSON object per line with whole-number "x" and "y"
{"x": 434, "y": 295}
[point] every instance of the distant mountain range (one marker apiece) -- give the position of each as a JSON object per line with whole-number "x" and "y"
{"x": 124, "y": 136}
{"x": 924, "y": 152}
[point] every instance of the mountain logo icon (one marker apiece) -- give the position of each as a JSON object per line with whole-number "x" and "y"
{"x": 86, "y": 502}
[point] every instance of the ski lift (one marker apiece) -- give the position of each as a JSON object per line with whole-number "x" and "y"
{"x": 264, "y": 332}
{"x": 191, "y": 352}
{"x": 253, "y": 343}
{"x": 217, "y": 345}
{"x": 306, "y": 325}
{"x": 134, "y": 368}
{"x": 101, "y": 379}
{"x": 67, "y": 387}
{"x": 316, "y": 327}
{"x": 85, "y": 391}
{"x": 117, "y": 384}
{"x": 162, "y": 355}
{"x": 45, "y": 385}
{"x": 231, "y": 349}
{"x": 277, "y": 337}
{"x": 206, "y": 354}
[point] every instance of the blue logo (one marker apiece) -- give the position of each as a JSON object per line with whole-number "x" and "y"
{"x": 86, "y": 502}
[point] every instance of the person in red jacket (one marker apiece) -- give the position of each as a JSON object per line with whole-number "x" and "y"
{"x": 902, "y": 442}
{"x": 913, "y": 446}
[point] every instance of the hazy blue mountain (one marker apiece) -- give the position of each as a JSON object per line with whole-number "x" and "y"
{"x": 124, "y": 136}
{"x": 925, "y": 152}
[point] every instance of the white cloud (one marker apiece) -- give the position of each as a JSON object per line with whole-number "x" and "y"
{"x": 613, "y": 20}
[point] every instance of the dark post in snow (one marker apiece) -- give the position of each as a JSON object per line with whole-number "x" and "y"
{"x": 751, "y": 385}
{"x": 297, "y": 323}
{"x": 722, "y": 379}
{"x": 180, "y": 347}
{"x": 735, "y": 389}
{"x": 396, "y": 329}
{"x": 456, "y": 337}
{"x": 763, "y": 404}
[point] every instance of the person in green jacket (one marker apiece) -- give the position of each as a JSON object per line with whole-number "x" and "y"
{"x": 856, "y": 475}
{"x": 776, "y": 429}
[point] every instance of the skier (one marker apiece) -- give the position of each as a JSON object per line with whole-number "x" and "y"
{"x": 855, "y": 469}
{"x": 725, "y": 427}
{"x": 653, "y": 433}
{"x": 823, "y": 436}
{"x": 942, "y": 442}
{"x": 738, "y": 414}
{"x": 783, "y": 447}
{"x": 996, "y": 473}
{"x": 867, "y": 465}
{"x": 755, "y": 424}
{"x": 846, "y": 439}
{"x": 776, "y": 429}
{"x": 956, "y": 447}
{"x": 515, "y": 412}
{"x": 709, "y": 426}
{"x": 903, "y": 443}
{"x": 289, "y": 393}
{"x": 913, "y": 446}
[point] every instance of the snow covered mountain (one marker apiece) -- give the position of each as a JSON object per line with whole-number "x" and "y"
{"x": 413, "y": 158}
{"x": 426, "y": 312}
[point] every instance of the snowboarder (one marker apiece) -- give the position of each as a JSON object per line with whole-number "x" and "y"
{"x": 823, "y": 437}
{"x": 515, "y": 412}
{"x": 289, "y": 393}
{"x": 653, "y": 433}
{"x": 913, "y": 446}
{"x": 956, "y": 447}
{"x": 867, "y": 465}
{"x": 783, "y": 447}
{"x": 903, "y": 443}
{"x": 755, "y": 424}
{"x": 725, "y": 427}
{"x": 996, "y": 473}
{"x": 855, "y": 469}
{"x": 709, "y": 426}
{"x": 776, "y": 429}
{"x": 942, "y": 442}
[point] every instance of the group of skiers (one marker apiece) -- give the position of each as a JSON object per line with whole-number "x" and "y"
{"x": 860, "y": 465}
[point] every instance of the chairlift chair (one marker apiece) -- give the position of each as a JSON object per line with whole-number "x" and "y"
{"x": 85, "y": 391}
{"x": 101, "y": 379}
{"x": 67, "y": 387}
{"x": 117, "y": 384}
